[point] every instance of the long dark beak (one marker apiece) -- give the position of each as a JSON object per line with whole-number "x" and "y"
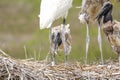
{"x": 57, "y": 41}
{"x": 104, "y": 10}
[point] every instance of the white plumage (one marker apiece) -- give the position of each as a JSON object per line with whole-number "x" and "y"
{"x": 50, "y": 10}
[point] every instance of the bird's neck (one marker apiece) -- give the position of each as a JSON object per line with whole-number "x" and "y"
{"x": 107, "y": 17}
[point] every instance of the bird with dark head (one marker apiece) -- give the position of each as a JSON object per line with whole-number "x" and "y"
{"x": 57, "y": 43}
{"x": 89, "y": 10}
{"x": 110, "y": 27}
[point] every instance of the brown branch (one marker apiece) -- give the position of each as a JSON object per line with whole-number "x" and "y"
{"x": 14, "y": 69}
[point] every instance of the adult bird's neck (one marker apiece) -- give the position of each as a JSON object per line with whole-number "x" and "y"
{"x": 107, "y": 17}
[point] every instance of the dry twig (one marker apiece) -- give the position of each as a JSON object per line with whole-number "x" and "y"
{"x": 14, "y": 69}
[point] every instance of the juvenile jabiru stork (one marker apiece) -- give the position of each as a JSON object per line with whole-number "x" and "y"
{"x": 57, "y": 43}
{"x": 51, "y": 10}
{"x": 110, "y": 27}
{"x": 88, "y": 12}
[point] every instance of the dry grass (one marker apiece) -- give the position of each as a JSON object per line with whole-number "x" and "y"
{"x": 14, "y": 69}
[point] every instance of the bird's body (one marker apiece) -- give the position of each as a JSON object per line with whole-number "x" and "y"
{"x": 52, "y": 10}
{"x": 89, "y": 10}
{"x": 57, "y": 39}
{"x": 110, "y": 27}
{"x": 112, "y": 31}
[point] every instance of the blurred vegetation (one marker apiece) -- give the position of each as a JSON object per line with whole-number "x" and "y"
{"x": 19, "y": 28}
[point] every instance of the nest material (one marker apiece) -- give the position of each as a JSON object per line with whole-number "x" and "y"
{"x": 14, "y": 69}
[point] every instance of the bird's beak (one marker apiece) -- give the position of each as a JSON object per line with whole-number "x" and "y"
{"x": 55, "y": 42}
{"x": 100, "y": 15}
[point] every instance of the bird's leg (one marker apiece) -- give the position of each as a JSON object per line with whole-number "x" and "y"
{"x": 55, "y": 49}
{"x": 64, "y": 40}
{"x": 100, "y": 43}
{"x": 87, "y": 42}
{"x": 66, "y": 60}
{"x": 54, "y": 59}
{"x": 50, "y": 38}
{"x": 64, "y": 21}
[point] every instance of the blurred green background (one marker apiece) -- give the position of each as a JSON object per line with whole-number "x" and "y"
{"x": 19, "y": 29}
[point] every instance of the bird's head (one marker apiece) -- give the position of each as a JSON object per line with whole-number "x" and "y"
{"x": 107, "y": 7}
{"x": 57, "y": 34}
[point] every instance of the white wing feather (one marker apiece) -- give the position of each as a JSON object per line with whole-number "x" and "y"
{"x": 50, "y": 10}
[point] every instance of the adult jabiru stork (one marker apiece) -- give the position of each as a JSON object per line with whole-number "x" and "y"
{"x": 51, "y": 10}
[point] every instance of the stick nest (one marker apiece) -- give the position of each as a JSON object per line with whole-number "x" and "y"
{"x": 14, "y": 69}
